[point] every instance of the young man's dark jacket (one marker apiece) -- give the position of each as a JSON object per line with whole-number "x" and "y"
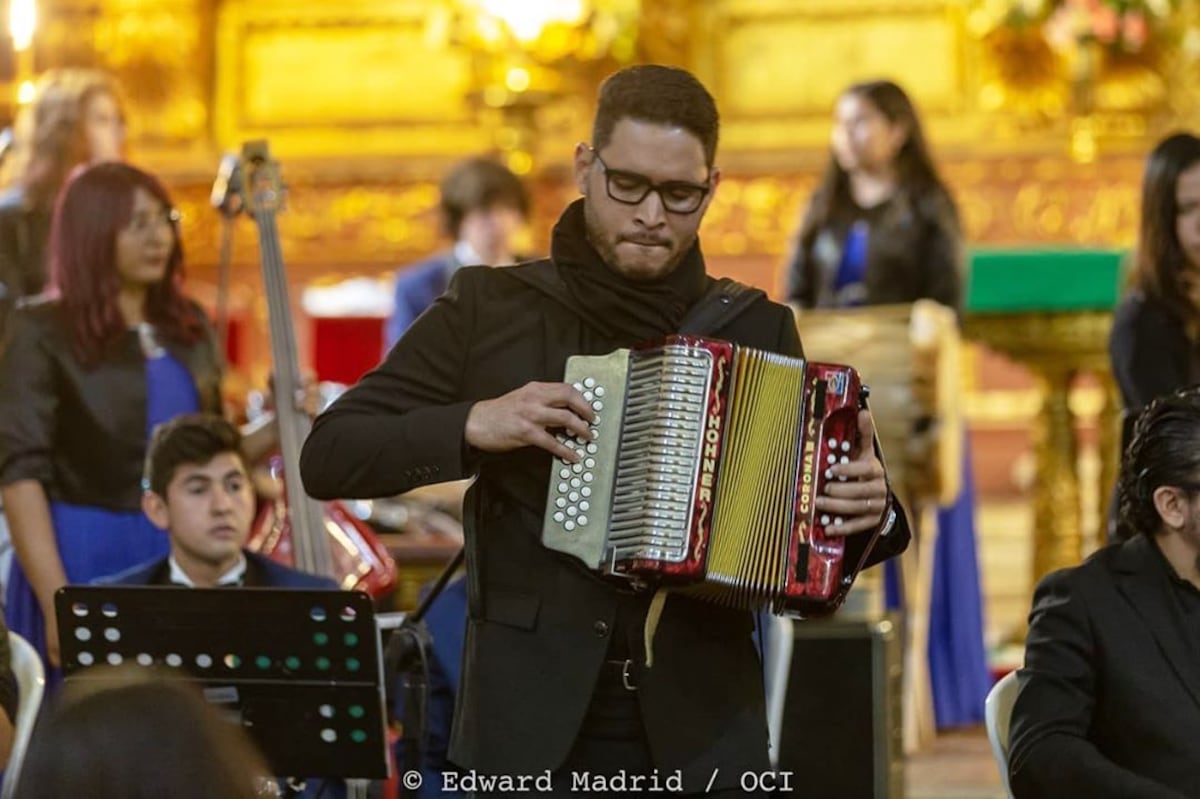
{"x": 540, "y": 624}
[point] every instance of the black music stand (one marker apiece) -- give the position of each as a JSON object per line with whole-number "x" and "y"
{"x": 301, "y": 671}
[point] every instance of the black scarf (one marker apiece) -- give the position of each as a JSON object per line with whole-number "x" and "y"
{"x": 640, "y": 310}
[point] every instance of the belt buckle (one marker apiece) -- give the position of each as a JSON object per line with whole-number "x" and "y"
{"x": 626, "y": 678}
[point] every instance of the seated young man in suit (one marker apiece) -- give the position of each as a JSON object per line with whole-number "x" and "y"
{"x": 197, "y": 488}
{"x": 1109, "y": 700}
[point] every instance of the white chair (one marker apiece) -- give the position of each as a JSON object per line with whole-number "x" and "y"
{"x": 31, "y": 682}
{"x": 997, "y": 710}
{"x": 778, "y": 632}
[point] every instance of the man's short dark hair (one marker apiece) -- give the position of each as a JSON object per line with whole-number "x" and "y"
{"x": 660, "y": 95}
{"x": 476, "y": 184}
{"x": 1164, "y": 451}
{"x": 193, "y": 438}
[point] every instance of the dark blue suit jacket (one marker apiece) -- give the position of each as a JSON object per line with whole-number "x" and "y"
{"x": 417, "y": 286}
{"x": 260, "y": 573}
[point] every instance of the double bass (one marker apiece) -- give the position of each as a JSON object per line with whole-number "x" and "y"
{"x": 297, "y": 530}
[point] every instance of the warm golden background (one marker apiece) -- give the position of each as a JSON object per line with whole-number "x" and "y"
{"x": 366, "y": 103}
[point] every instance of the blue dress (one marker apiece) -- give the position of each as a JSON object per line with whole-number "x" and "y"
{"x": 958, "y": 667}
{"x": 94, "y": 542}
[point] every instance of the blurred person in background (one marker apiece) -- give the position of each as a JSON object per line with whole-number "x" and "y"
{"x": 75, "y": 119}
{"x": 882, "y": 228}
{"x": 1155, "y": 339}
{"x": 483, "y": 207}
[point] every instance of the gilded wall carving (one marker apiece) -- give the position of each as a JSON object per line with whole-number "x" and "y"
{"x": 776, "y": 67}
{"x": 160, "y": 52}
{"x": 367, "y": 103}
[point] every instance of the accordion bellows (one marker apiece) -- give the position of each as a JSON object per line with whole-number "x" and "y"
{"x": 702, "y": 472}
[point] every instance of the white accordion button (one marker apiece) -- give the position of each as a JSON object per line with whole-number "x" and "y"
{"x": 585, "y": 491}
{"x": 572, "y": 511}
{"x": 845, "y": 446}
{"x": 562, "y": 488}
{"x": 569, "y": 525}
{"x": 833, "y": 443}
{"x": 559, "y": 517}
{"x": 597, "y": 405}
{"x": 589, "y": 463}
{"x": 590, "y": 382}
{"x": 845, "y": 459}
{"x": 587, "y": 477}
{"x": 577, "y": 386}
{"x": 583, "y": 506}
{"x": 829, "y": 474}
{"x": 560, "y": 503}
{"x": 599, "y": 391}
{"x": 837, "y": 520}
{"x": 573, "y": 496}
{"x": 564, "y": 473}
{"x": 576, "y": 482}
{"x": 581, "y": 521}
{"x": 589, "y": 396}
{"x": 824, "y": 519}
{"x": 832, "y": 459}
{"x": 592, "y": 449}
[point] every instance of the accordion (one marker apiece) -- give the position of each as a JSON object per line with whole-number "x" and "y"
{"x": 702, "y": 470}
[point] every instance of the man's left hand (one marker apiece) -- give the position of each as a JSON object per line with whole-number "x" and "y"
{"x": 861, "y": 500}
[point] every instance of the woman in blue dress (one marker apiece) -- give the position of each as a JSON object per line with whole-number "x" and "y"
{"x": 85, "y": 375}
{"x": 883, "y": 228}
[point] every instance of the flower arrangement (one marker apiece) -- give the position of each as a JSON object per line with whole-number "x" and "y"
{"x": 1117, "y": 25}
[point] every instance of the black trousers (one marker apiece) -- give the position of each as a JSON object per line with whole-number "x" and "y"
{"x": 611, "y": 757}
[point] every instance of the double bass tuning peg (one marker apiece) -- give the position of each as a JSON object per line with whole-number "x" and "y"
{"x": 226, "y": 194}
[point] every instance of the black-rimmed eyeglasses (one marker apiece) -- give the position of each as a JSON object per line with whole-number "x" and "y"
{"x": 630, "y": 188}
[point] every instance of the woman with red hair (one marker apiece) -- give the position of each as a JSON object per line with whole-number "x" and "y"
{"x": 85, "y": 375}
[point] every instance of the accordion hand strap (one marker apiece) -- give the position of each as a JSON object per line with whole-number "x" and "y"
{"x": 652, "y": 617}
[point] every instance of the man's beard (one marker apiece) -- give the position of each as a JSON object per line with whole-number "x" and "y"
{"x": 607, "y": 249}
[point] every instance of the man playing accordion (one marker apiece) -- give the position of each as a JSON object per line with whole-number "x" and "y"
{"x": 555, "y": 676}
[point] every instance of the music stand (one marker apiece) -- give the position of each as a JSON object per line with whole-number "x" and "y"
{"x": 300, "y": 671}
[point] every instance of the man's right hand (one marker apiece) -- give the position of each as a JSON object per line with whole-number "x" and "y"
{"x": 525, "y": 417}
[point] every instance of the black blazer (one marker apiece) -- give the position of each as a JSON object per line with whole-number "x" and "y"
{"x": 24, "y": 232}
{"x": 914, "y": 251}
{"x": 82, "y": 432}
{"x": 1151, "y": 354}
{"x": 539, "y": 623}
{"x": 1109, "y": 699}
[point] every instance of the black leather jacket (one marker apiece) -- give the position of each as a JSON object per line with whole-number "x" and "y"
{"x": 914, "y": 251}
{"x": 82, "y": 432}
{"x": 23, "y": 235}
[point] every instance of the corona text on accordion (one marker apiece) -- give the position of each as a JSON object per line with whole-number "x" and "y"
{"x": 702, "y": 472}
